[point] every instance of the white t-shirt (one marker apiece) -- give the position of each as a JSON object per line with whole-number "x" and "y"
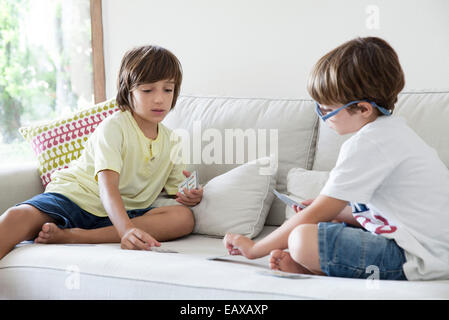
{"x": 399, "y": 188}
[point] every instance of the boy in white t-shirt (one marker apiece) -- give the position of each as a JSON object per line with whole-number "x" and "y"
{"x": 397, "y": 224}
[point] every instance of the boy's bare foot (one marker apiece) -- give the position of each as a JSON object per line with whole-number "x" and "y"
{"x": 51, "y": 233}
{"x": 281, "y": 260}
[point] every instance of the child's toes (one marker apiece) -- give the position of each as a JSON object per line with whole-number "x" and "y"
{"x": 274, "y": 266}
{"x": 40, "y": 239}
{"x": 275, "y": 257}
{"x": 44, "y": 235}
{"x": 276, "y": 254}
{"x": 47, "y": 227}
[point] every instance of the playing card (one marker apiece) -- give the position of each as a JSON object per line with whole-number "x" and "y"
{"x": 287, "y": 200}
{"x": 189, "y": 183}
{"x": 163, "y": 250}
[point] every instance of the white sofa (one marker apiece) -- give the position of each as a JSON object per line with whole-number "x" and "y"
{"x": 104, "y": 271}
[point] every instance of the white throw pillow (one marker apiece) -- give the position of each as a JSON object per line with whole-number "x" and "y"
{"x": 304, "y": 184}
{"x": 237, "y": 201}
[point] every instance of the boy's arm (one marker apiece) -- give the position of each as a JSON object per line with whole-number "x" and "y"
{"x": 346, "y": 216}
{"x": 323, "y": 209}
{"x": 131, "y": 237}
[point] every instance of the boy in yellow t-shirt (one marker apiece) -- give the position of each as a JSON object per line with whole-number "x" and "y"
{"x": 107, "y": 194}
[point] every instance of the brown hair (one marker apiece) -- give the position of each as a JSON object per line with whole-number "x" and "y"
{"x": 146, "y": 64}
{"x": 362, "y": 68}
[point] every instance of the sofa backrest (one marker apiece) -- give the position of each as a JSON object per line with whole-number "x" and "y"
{"x": 291, "y": 125}
{"x": 303, "y": 141}
{"x": 425, "y": 112}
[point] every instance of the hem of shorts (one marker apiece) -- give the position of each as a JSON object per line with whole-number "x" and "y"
{"x": 322, "y": 249}
{"x": 81, "y": 205}
{"x": 50, "y": 213}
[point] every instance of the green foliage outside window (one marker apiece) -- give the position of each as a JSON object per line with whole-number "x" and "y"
{"x": 45, "y": 66}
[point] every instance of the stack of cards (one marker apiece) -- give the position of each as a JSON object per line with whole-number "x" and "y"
{"x": 287, "y": 200}
{"x": 190, "y": 183}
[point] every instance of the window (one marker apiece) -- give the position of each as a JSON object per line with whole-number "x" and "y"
{"x": 46, "y": 66}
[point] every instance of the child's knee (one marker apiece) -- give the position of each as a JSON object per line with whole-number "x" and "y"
{"x": 186, "y": 218}
{"x": 300, "y": 242}
{"x": 21, "y": 213}
{"x": 15, "y": 213}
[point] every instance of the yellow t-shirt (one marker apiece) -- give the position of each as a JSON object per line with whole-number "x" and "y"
{"x": 118, "y": 144}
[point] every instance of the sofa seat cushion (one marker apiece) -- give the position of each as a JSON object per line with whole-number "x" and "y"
{"x": 104, "y": 271}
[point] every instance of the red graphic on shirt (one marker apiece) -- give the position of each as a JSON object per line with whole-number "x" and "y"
{"x": 385, "y": 228}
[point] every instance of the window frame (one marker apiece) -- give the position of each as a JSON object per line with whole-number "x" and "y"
{"x": 98, "y": 68}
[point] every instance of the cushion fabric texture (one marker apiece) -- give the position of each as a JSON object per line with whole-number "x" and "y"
{"x": 237, "y": 201}
{"x": 58, "y": 142}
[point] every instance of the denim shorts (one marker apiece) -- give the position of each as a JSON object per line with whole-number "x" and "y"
{"x": 67, "y": 214}
{"x": 351, "y": 252}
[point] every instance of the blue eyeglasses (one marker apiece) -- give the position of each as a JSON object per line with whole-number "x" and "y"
{"x": 324, "y": 115}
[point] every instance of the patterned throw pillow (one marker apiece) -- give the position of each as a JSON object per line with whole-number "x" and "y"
{"x": 58, "y": 142}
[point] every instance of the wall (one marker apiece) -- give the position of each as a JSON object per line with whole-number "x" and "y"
{"x": 266, "y": 48}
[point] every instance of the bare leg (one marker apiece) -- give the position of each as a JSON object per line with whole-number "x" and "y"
{"x": 164, "y": 223}
{"x": 18, "y": 224}
{"x": 303, "y": 255}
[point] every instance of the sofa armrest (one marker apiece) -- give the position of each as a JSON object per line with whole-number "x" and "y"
{"x": 18, "y": 183}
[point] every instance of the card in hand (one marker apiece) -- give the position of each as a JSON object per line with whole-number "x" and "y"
{"x": 287, "y": 200}
{"x": 190, "y": 183}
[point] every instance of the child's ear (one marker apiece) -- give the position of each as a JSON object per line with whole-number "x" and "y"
{"x": 366, "y": 108}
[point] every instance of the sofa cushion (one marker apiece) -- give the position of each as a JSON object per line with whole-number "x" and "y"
{"x": 104, "y": 271}
{"x": 223, "y": 133}
{"x": 304, "y": 184}
{"x": 237, "y": 201}
{"x": 425, "y": 112}
{"x": 56, "y": 143}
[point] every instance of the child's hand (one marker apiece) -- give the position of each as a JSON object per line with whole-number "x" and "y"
{"x": 192, "y": 197}
{"x": 136, "y": 239}
{"x": 238, "y": 245}
{"x": 305, "y": 202}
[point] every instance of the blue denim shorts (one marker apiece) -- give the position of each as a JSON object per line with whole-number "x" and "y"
{"x": 356, "y": 253}
{"x": 67, "y": 214}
